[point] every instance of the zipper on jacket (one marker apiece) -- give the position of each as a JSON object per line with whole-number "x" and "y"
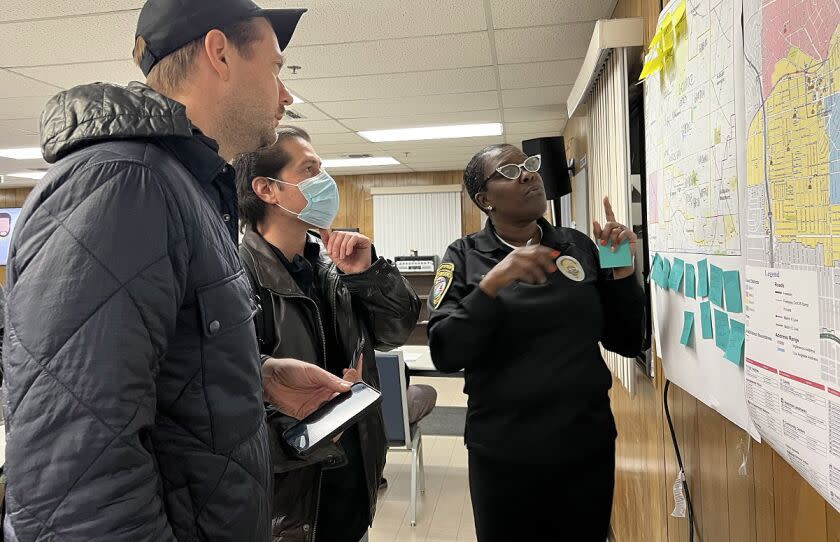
{"x": 317, "y": 506}
{"x": 318, "y": 318}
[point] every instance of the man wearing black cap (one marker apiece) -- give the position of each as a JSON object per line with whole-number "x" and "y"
{"x": 134, "y": 388}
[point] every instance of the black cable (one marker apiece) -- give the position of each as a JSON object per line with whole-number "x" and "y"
{"x": 691, "y": 524}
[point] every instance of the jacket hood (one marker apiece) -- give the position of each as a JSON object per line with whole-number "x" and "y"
{"x": 98, "y": 112}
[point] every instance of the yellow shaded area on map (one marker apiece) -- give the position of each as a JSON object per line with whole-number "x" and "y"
{"x": 788, "y": 148}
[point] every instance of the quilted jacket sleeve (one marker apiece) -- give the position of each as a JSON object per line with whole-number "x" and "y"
{"x": 96, "y": 279}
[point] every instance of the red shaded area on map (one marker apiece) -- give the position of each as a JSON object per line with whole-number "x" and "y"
{"x": 805, "y": 24}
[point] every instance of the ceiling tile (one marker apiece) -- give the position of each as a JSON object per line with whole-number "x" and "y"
{"x": 540, "y": 74}
{"x": 392, "y": 56}
{"x": 347, "y": 138}
{"x": 347, "y": 148}
{"x": 537, "y": 113}
{"x": 477, "y": 143}
{"x": 318, "y": 126}
{"x": 22, "y": 108}
{"x": 396, "y": 85}
{"x": 18, "y": 10}
{"x": 512, "y": 128}
{"x": 412, "y": 121}
{"x": 524, "y": 97}
{"x": 10, "y": 138}
{"x": 13, "y": 85}
{"x": 339, "y": 21}
{"x": 442, "y": 103}
{"x": 105, "y": 37}
{"x": 351, "y": 171}
{"x": 543, "y": 43}
{"x": 309, "y": 112}
{"x": 29, "y": 126}
{"x": 516, "y": 139}
{"x": 71, "y": 75}
{"x": 507, "y": 14}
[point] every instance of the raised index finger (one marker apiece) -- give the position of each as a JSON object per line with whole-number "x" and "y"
{"x": 608, "y": 210}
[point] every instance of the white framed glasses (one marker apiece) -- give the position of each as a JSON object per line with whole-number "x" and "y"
{"x": 514, "y": 171}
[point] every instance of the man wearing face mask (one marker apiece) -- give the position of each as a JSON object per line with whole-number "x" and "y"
{"x": 324, "y": 298}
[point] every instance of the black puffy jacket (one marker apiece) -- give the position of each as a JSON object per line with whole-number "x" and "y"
{"x": 134, "y": 403}
{"x": 378, "y": 305}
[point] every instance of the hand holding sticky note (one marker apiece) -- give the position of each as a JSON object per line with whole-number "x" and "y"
{"x": 620, "y": 258}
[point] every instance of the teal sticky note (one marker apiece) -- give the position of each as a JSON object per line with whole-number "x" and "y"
{"x": 655, "y": 268}
{"x": 702, "y": 279}
{"x": 706, "y": 319}
{"x": 620, "y": 258}
{"x": 689, "y": 280}
{"x": 688, "y": 324}
{"x": 732, "y": 290}
{"x": 716, "y": 285}
{"x": 676, "y": 275}
{"x": 721, "y": 329}
{"x": 666, "y": 272}
{"x": 736, "y": 341}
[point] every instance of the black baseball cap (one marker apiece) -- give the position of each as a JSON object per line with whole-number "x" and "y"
{"x": 168, "y": 25}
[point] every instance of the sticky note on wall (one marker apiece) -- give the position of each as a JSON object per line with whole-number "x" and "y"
{"x": 706, "y": 319}
{"x": 735, "y": 346}
{"x": 688, "y": 324}
{"x": 702, "y": 279}
{"x": 721, "y": 329}
{"x": 689, "y": 280}
{"x": 676, "y": 274}
{"x": 716, "y": 285}
{"x": 732, "y": 289}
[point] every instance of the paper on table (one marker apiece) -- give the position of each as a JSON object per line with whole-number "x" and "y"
{"x": 716, "y": 285}
{"x": 620, "y": 258}
{"x": 688, "y": 324}
{"x": 732, "y": 289}
{"x": 736, "y": 342}
{"x": 410, "y": 357}
{"x": 676, "y": 276}
{"x": 689, "y": 280}
{"x": 703, "y": 279}
{"x": 721, "y": 329}
{"x": 706, "y": 319}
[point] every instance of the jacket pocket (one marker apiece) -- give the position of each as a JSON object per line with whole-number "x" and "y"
{"x": 226, "y": 305}
{"x": 230, "y": 360}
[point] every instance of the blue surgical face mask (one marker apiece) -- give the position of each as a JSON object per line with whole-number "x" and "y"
{"x": 321, "y": 195}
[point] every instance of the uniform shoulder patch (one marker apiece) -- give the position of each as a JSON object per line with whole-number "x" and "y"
{"x": 443, "y": 280}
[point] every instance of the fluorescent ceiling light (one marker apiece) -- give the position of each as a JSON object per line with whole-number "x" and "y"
{"x": 295, "y": 99}
{"x": 25, "y": 153}
{"x": 359, "y": 162}
{"x": 434, "y": 132}
{"x": 28, "y": 174}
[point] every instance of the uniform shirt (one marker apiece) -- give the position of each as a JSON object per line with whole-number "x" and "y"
{"x": 534, "y": 374}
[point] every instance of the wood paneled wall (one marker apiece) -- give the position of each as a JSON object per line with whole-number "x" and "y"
{"x": 766, "y": 501}
{"x": 356, "y": 209}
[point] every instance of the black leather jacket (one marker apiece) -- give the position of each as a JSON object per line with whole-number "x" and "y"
{"x": 377, "y": 304}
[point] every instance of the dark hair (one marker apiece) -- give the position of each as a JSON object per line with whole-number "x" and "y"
{"x": 266, "y": 162}
{"x": 474, "y": 172}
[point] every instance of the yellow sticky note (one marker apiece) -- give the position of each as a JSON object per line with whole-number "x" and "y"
{"x": 654, "y": 43}
{"x": 653, "y": 63}
{"x": 667, "y": 37}
{"x": 679, "y": 12}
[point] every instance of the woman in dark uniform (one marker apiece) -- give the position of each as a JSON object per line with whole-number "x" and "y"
{"x": 522, "y": 306}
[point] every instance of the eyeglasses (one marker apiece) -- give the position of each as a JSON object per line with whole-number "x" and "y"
{"x": 514, "y": 171}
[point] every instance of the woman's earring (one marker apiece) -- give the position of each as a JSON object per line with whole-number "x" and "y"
{"x": 490, "y": 208}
